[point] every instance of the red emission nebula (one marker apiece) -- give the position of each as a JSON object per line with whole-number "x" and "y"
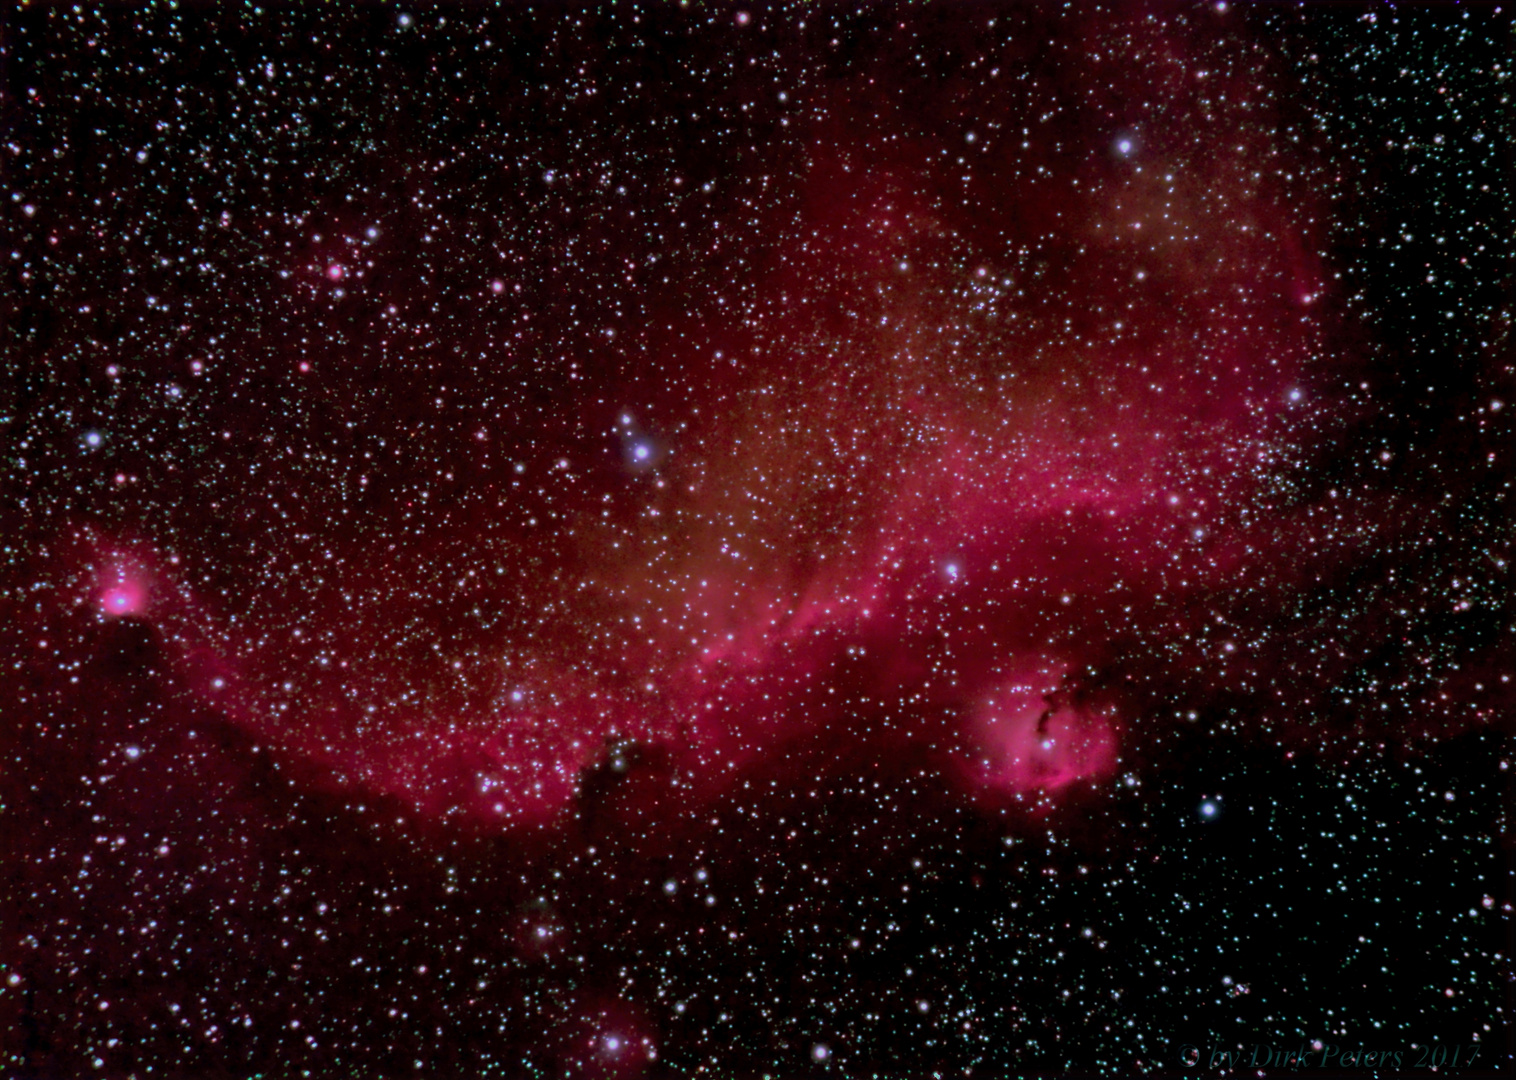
{"x": 898, "y": 517}
{"x": 880, "y": 540}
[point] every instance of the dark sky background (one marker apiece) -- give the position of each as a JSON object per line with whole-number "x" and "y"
{"x": 902, "y": 541}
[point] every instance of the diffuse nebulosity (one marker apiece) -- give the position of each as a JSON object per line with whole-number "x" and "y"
{"x": 615, "y": 541}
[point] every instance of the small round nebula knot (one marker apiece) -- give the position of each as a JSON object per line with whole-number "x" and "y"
{"x": 122, "y": 591}
{"x": 1031, "y": 740}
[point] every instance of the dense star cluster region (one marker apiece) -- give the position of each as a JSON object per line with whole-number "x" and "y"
{"x": 673, "y": 540}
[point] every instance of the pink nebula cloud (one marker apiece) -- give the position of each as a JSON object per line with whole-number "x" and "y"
{"x": 122, "y": 590}
{"x": 1027, "y": 739}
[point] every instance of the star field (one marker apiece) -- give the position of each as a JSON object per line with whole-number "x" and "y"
{"x": 667, "y": 540}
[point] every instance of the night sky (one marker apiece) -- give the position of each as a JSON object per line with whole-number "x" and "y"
{"x": 959, "y": 540}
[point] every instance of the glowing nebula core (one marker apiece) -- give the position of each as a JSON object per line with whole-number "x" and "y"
{"x": 1030, "y": 741}
{"x": 122, "y": 589}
